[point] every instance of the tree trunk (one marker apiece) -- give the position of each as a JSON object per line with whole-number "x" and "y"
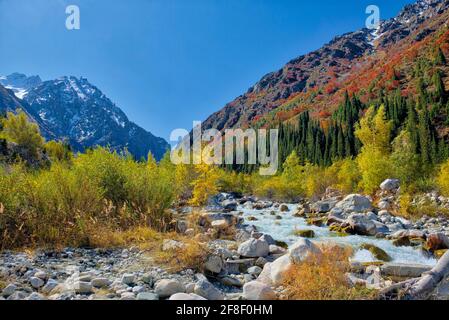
{"x": 425, "y": 286}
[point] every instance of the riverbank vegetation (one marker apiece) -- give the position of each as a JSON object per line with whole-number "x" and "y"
{"x": 69, "y": 199}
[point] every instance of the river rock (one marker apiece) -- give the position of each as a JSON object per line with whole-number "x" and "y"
{"x": 390, "y": 185}
{"x": 213, "y": 264}
{"x": 49, "y": 286}
{"x": 231, "y": 282}
{"x": 36, "y": 282}
{"x": 9, "y": 290}
{"x": 149, "y": 296}
{"x": 254, "y": 248}
{"x": 167, "y": 287}
{"x": 256, "y": 290}
{"x": 301, "y": 249}
{"x": 403, "y": 270}
{"x": 186, "y": 297}
{"x": 360, "y": 224}
{"x": 323, "y": 206}
{"x": 128, "y": 279}
{"x": 82, "y": 287}
{"x": 35, "y": 296}
{"x": 255, "y": 270}
{"x": 377, "y": 252}
{"x": 283, "y": 208}
{"x": 101, "y": 282}
{"x": 437, "y": 241}
{"x": 207, "y": 290}
{"x": 277, "y": 270}
{"x": 354, "y": 203}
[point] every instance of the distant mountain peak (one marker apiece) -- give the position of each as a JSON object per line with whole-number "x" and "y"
{"x": 73, "y": 109}
{"x": 19, "y": 83}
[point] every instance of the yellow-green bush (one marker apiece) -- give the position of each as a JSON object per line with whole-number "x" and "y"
{"x": 443, "y": 179}
{"x": 17, "y": 129}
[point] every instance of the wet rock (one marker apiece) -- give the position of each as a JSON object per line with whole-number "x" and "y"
{"x": 284, "y": 208}
{"x": 361, "y": 225}
{"x": 268, "y": 239}
{"x": 167, "y": 287}
{"x": 377, "y": 252}
{"x": 304, "y": 233}
{"x": 254, "y": 248}
{"x": 437, "y": 241}
{"x": 323, "y": 206}
{"x": 256, "y": 290}
{"x": 229, "y": 205}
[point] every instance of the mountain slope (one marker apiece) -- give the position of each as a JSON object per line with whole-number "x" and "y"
{"x": 73, "y": 109}
{"x": 317, "y": 81}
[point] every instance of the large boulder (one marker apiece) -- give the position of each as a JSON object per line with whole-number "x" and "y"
{"x": 167, "y": 287}
{"x": 278, "y": 268}
{"x": 354, "y": 203}
{"x": 301, "y": 249}
{"x": 360, "y": 224}
{"x": 390, "y": 185}
{"x": 437, "y": 241}
{"x": 254, "y": 248}
{"x": 256, "y": 290}
{"x": 323, "y": 206}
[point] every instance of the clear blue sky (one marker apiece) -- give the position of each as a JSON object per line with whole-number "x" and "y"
{"x": 167, "y": 63}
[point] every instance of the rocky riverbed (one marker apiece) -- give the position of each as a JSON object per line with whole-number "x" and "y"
{"x": 251, "y": 243}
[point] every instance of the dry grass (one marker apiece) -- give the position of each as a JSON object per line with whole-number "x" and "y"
{"x": 192, "y": 256}
{"x": 143, "y": 237}
{"x": 322, "y": 277}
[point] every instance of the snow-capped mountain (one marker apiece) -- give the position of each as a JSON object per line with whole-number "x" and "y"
{"x": 19, "y": 83}
{"x": 73, "y": 109}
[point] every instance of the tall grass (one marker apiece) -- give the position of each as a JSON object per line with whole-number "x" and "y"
{"x": 70, "y": 202}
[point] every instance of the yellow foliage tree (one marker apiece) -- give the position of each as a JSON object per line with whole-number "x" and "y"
{"x": 205, "y": 185}
{"x": 374, "y": 132}
{"x": 443, "y": 179}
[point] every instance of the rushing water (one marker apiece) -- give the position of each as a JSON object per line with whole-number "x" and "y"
{"x": 283, "y": 230}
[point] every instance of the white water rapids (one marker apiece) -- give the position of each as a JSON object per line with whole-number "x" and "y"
{"x": 283, "y": 230}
